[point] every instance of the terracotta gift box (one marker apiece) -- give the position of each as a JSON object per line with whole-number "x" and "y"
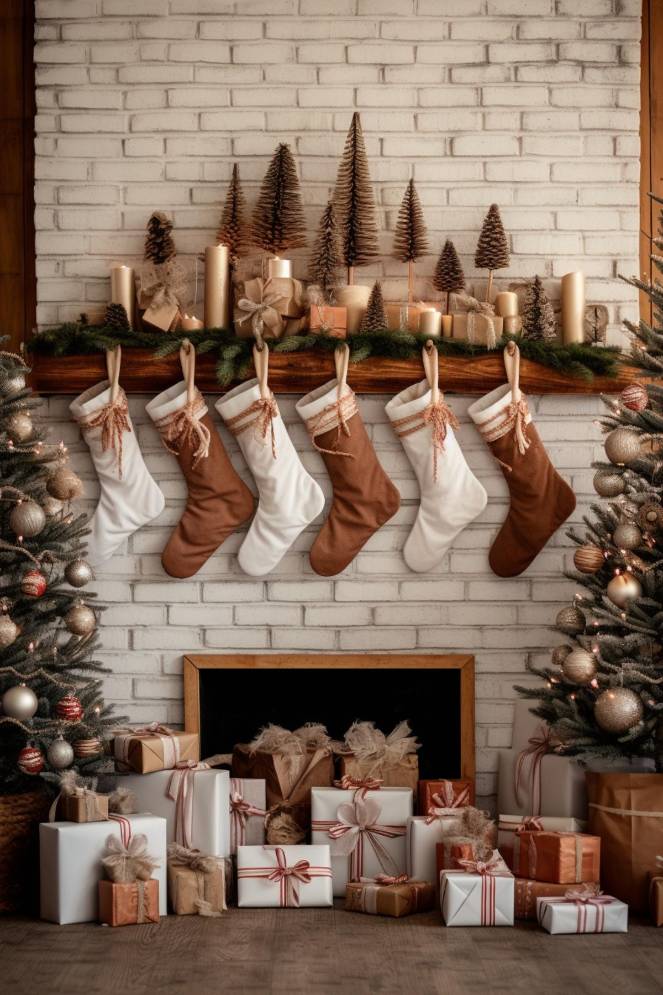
{"x": 563, "y": 858}
{"x": 329, "y": 320}
{"x": 529, "y": 891}
{"x": 128, "y": 904}
{"x": 444, "y": 793}
{"x": 389, "y": 897}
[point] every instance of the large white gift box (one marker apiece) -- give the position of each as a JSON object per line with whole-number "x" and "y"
{"x": 482, "y": 895}
{"x": 70, "y": 855}
{"x": 194, "y": 802}
{"x": 509, "y": 828}
{"x": 423, "y": 834}
{"x": 581, "y": 912}
{"x": 365, "y": 831}
{"x": 284, "y": 876}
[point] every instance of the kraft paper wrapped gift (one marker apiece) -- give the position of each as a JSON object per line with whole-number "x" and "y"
{"x": 404, "y": 774}
{"x": 84, "y": 806}
{"x": 444, "y": 793}
{"x": 423, "y": 835}
{"x": 128, "y": 904}
{"x": 561, "y": 780}
{"x": 510, "y": 827}
{"x": 153, "y": 748}
{"x": 194, "y": 802}
{"x": 284, "y": 877}
{"x": 328, "y": 320}
{"x": 364, "y": 829}
{"x": 196, "y": 882}
{"x": 385, "y": 896}
{"x": 70, "y": 855}
{"x": 582, "y": 912}
{"x": 483, "y": 895}
{"x": 656, "y": 893}
{"x": 563, "y": 858}
{"x": 529, "y": 891}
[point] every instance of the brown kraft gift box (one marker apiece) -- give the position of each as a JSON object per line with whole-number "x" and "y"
{"x": 461, "y": 788}
{"x": 128, "y": 904}
{"x": 527, "y": 891}
{"x": 626, "y": 811}
{"x": 560, "y": 858}
{"x": 404, "y": 774}
{"x": 390, "y": 899}
{"x": 187, "y": 888}
{"x": 89, "y": 806}
{"x": 145, "y": 752}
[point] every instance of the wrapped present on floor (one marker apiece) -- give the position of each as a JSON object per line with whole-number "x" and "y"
{"x": 387, "y": 895}
{"x": 444, "y": 794}
{"x": 656, "y": 893}
{"x": 248, "y": 809}
{"x": 366, "y": 752}
{"x": 130, "y": 896}
{"x": 284, "y": 876}
{"x": 528, "y": 892}
{"x": 475, "y": 320}
{"x": 154, "y": 747}
{"x": 425, "y": 832}
{"x": 196, "y": 882}
{"x": 481, "y": 894}
{"x": 365, "y": 830}
{"x": 509, "y": 828}
{"x": 290, "y": 763}
{"x": 194, "y": 800}
{"x": 562, "y": 858}
{"x": 582, "y": 910}
{"x": 70, "y": 856}
{"x": 78, "y": 801}
{"x": 626, "y": 811}
{"x": 274, "y": 307}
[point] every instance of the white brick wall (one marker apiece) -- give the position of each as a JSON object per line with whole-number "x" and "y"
{"x": 533, "y": 103}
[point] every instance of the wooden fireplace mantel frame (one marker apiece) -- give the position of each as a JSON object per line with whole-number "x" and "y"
{"x": 462, "y": 662}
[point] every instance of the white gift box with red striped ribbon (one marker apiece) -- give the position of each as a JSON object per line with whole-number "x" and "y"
{"x": 365, "y": 830}
{"x": 70, "y": 855}
{"x": 284, "y": 877}
{"x": 582, "y": 910}
{"x": 482, "y": 894}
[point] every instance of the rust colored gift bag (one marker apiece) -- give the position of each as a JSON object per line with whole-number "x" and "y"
{"x": 626, "y": 811}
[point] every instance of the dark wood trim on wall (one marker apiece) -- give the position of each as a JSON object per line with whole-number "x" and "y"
{"x": 18, "y": 290}
{"x": 651, "y": 135}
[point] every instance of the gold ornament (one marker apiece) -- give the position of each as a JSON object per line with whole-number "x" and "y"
{"x": 51, "y": 505}
{"x": 608, "y": 484}
{"x": 19, "y": 426}
{"x": 650, "y": 517}
{"x": 80, "y": 619}
{"x": 8, "y": 631}
{"x": 588, "y": 558}
{"x": 635, "y": 397}
{"x": 85, "y": 748}
{"x": 78, "y": 573}
{"x": 27, "y": 519}
{"x": 559, "y": 654}
{"x": 627, "y": 536}
{"x": 64, "y": 485}
{"x": 570, "y": 620}
{"x": 579, "y": 666}
{"x": 617, "y": 710}
{"x": 622, "y": 446}
{"x": 20, "y": 702}
{"x": 60, "y": 753}
{"x": 623, "y": 588}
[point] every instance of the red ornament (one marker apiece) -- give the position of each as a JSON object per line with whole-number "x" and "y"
{"x": 30, "y": 760}
{"x": 33, "y": 584}
{"x": 635, "y": 397}
{"x": 69, "y": 708}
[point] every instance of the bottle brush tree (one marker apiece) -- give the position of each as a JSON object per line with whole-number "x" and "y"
{"x": 493, "y": 247}
{"x": 232, "y": 226}
{"x": 448, "y": 277}
{"x": 538, "y": 315}
{"x": 326, "y": 256}
{"x": 410, "y": 236}
{"x": 355, "y": 204}
{"x": 278, "y": 222}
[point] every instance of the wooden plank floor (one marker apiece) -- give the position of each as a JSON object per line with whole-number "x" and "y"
{"x": 323, "y": 952}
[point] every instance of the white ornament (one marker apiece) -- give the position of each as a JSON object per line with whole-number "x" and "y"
{"x": 20, "y": 702}
{"x": 60, "y": 753}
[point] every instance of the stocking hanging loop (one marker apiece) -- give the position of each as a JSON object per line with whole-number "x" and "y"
{"x": 341, "y": 362}
{"x": 188, "y": 363}
{"x": 261, "y": 363}
{"x": 431, "y": 358}
{"x": 512, "y": 367}
{"x": 113, "y": 364}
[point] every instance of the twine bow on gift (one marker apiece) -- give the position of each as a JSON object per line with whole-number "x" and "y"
{"x": 360, "y": 785}
{"x": 540, "y": 744}
{"x": 261, "y": 312}
{"x": 185, "y": 427}
{"x": 180, "y": 789}
{"x": 169, "y": 742}
{"x": 370, "y": 747}
{"x": 161, "y": 284}
{"x": 240, "y": 812}
{"x": 72, "y": 785}
{"x": 494, "y": 866}
{"x": 201, "y": 864}
{"x": 474, "y": 308}
{"x": 113, "y": 420}
{"x": 357, "y": 825}
{"x": 387, "y": 879}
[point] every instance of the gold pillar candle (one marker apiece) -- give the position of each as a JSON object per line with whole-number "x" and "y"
{"x": 506, "y": 304}
{"x": 513, "y": 324}
{"x": 354, "y": 297}
{"x": 122, "y": 289}
{"x": 189, "y": 323}
{"x": 277, "y": 267}
{"x": 573, "y": 308}
{"x": 447, "y": 325}
{"x": 430, "y": 322}
{"x": 217, "y": 286}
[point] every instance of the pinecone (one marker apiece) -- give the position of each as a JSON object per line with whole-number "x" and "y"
{"x": 116, "y": 317}
{"x": 374, "y": 318}
{"x": 232, "y": 226}
{"x": 354, "y": 201}
{"x": 493, "y": 247}
{"x": 159, "y": 244}
{"x": 278, "y": 219}
{"x": 410, "y": 237}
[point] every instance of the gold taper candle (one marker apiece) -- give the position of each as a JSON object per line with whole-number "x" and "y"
{"x": 122, "y": 289}
{"x": 217, "y": 286}
{"x": 506, "y": 304}
{"x": 573, "y": 307}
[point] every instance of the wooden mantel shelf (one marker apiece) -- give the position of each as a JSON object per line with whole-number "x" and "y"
{"x": 297, "y": 373}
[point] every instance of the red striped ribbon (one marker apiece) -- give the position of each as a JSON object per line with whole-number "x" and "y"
{"x": 360, "y": 785}
{"x": 288, "y": 878}
{"x": 488, "y": 870}
{"x": 180, "y": 790}
{"x": 539, "y": 746}
{"x": 583, "y": 900}
{"x": 125, "y": 827}
{"x": 357, "y": 824}
{"x": 240, "y": 812}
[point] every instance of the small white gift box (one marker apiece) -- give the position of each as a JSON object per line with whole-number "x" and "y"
{"x": 581, "y": 911}
{"x": 423, "y": 834}
{"x": 195, "y": 802}
{"x": 509, "y": 828}
{"x": 70, "y": 855}
{"x": 364, "y": 829}
{"x": 482, "y": 895}
{"x": 283, "y": 877}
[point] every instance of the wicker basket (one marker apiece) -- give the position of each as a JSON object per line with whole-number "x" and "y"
{"x": 20, "y": 816}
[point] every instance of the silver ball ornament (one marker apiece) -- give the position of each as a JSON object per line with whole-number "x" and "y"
{"x": 579, "y": 667}
{"x": 20, "y": 702}
{"x": 27, "y": 518}
{"x": 623, "y": 588}
{"x": 19, "y": 426}
{"x": 80, "y": 619}
{"x": 60, "y": 753}
{"x": 627, "y": 536}
{"x": 571, "y": 621}
{"x": 617, "y": 710}
{"x": 622, "y": 446}
{"x": 78, "y": 573}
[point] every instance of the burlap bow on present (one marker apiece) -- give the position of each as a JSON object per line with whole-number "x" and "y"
{"x": 273, "y": 308}
{"x": 124, "y": 863}
{"x": 481, "y": 322}
{"x": 90, "y": 805}
{"x": 196, "y": 882}
{"x": 161, "y": 289}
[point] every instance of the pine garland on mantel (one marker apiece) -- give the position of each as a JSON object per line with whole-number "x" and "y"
{"x": 235, "y": 354}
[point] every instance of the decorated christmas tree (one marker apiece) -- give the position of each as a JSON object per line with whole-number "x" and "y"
{"x": 355, "y": 204}
{"x": 159, "y": 244}
{"x": 493, "y": 247}
{"x": 538, "y": 315}
{"x": 326, "y": 255}
{"x": 53, "y": 717}
{"x": 603, "y": 693}
{"x": 448, "y": 277}
{"x": 232, "y": 226}
{"x": 410, "y": 237}
{"x": 374, "y": 318}
{"x": 278, "y": 220}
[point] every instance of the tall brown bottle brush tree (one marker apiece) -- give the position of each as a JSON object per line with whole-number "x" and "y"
{"x": 278, "y": 222}
{"x": 449, "y": 277}
{"x": 326, "y": 256}
{"x": 493, "y": 246}
{"x": 410, "y": 236}
{"x": 355, "y": 204}
{"x": 232, "y": 229}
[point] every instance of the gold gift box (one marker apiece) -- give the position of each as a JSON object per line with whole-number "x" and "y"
{"x": 394, "y": 900}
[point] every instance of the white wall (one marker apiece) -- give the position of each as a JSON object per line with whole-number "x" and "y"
{"x": 144, "y": 104}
